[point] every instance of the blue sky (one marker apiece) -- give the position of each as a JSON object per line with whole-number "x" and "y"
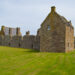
{"x": 29, "y": 14}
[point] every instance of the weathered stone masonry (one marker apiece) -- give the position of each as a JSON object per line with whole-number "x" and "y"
{"x": 56, "y": 34}
{"x": 14, "y": 39}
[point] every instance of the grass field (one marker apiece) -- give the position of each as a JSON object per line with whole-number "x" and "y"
{"x": 14, "y": 61}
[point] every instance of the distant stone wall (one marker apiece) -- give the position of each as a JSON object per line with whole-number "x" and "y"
{"x": 27, "y": 42}
{"x": 12, "y": 37}
{"x": 6, "y": 40}
{"x": 16, "y": 41}
{"x": 36, "y": 43}
{"x": 1, "y": 40}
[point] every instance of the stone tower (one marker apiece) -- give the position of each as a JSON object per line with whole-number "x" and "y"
{"x": 56, "y": 33}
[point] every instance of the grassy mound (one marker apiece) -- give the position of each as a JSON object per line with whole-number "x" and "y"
{"x": 15, "y": 61}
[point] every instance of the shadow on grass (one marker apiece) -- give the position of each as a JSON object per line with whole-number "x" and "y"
{"x": 32, "y": 51}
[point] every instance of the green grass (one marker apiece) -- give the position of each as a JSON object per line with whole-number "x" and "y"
{"x": 15, "y": 61}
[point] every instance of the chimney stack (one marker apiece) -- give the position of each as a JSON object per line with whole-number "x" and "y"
{"x": 27, "y": 33}
{"x": 18, "y": 32}
{"x": 53, "y": 9}
{"x": 10, "y": 31}
{"x": 2, "y": 28}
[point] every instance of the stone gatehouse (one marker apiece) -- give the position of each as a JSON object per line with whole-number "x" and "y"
{"x": 56, "y": 34}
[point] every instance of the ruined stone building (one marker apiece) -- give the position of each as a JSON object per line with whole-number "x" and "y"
{"x": 12, "y": 37}
{"x": 56, "y": 34}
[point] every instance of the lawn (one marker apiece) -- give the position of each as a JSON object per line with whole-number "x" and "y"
{"x": 15, "y": 61}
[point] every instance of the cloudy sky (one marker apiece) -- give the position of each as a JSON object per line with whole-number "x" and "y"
{"x": 29, "y": 14}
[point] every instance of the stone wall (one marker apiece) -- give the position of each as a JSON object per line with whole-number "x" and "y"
{"x": 27, "y": 42}
{"x": 36, "y": 43}
{"x": 16, "y": 41}
{"x": 53, "y": 33}
{"x": 1, "y": 40}
{"x": 69, "y": 41}
{"x": 12, "y": 37}
{"x": 6, "y": 40}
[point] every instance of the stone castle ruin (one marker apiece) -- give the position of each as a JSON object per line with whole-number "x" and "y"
{"x": 12, "y": 37}
{"x": 56, "y": 34}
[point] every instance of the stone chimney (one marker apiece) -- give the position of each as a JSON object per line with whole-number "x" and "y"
{"x": 18, "y": 32}
{"x": 27, "y": 33}
{"x": 10, "y": 31}
{"x": 2, "y": 28}
{"x": 53, "y": 9}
